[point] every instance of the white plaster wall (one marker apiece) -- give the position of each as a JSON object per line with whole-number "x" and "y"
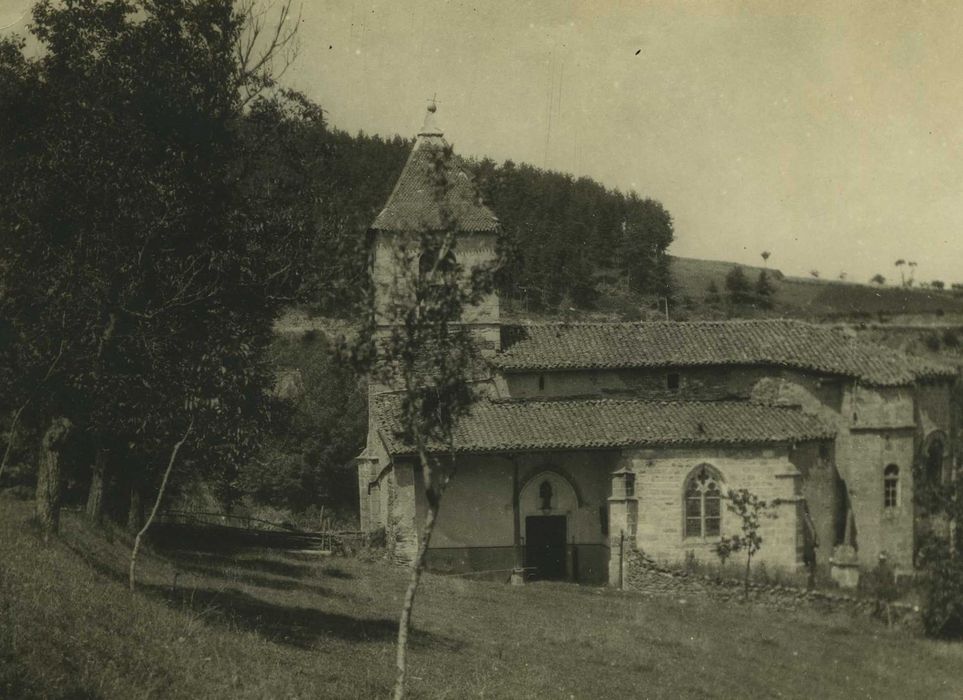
{"x": 476, "y": 510}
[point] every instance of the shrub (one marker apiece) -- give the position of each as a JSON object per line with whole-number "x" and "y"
{"x": 738, "y": 286}
{"x": 943, "y": 599}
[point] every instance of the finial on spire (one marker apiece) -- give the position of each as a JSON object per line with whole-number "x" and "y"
{"x": 430, "y": 128}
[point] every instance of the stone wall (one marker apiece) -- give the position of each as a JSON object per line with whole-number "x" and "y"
{"x": 392, "y": 263}
{"x": 643, "y": 575}
{"x": 660, "y": 476}
{"x": 702, "y": 383}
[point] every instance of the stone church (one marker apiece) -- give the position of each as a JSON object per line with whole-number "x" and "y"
{"x": 594, "y": 438}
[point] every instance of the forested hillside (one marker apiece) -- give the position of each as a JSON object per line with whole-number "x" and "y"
{"x": 563, "y": 237}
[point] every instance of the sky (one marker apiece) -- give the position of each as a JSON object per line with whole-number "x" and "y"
{"x": 830, "y": 134}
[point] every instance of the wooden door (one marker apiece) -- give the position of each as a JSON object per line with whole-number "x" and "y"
{"x": 545, "y": 546}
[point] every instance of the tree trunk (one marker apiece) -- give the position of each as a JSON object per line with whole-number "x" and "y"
{"x": 11, "y": 437}
{"x": 404, "y": 626}
{"x": 157, "y": 502}
{"x": 50, "y": 477}
{"x": 98, "y": 482}
{"x": 745, "y": 589}
{"x": 135, "y": 510}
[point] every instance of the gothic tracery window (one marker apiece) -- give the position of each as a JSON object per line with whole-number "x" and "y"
{"x": 703, "y": 503}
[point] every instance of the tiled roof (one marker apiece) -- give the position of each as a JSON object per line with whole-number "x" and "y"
{"x": 521, "y": 426}
{"x": 783, "y": 343}
{"x": 414, "y": 203}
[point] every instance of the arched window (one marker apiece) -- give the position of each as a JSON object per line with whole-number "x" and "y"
{"x": 891, "y": 486}
{"x": 703, "y": 503}
{"x": 934, "y": 460}
{"x": 428, "y": 259}
{"x": 545, "y": 495}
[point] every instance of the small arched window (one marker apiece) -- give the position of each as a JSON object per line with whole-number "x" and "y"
{"x": 891, "y": 486}
{"x": 545, "y": 495}
{"x": 429, "y": 260}
{"x": 703, "y": 503}
{"x": 934, "y": 460}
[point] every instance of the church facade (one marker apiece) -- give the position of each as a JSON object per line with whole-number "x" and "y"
{"x": 594, "y": 438}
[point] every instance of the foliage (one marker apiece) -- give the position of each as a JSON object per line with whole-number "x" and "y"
{"x": 738, "y": 286}
{"x": 713, "y": 297}
{"x": 145, "y": 260}
{"x": 316, "y": 427}
{"x": 940, "y": 552}
{"x": 427, "y": 357}
{"x": 878, "y": 279}
{"x": 938, "y": 284}
{"x": 559, "y": 231}
{"x": 749, "y": 508}
{"x": 764, "y": 290}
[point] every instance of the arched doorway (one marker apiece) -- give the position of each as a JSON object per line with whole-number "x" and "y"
{"x": 547, "y": 502}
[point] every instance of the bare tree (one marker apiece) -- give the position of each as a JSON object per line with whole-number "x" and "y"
{"x": 266, "y": 48}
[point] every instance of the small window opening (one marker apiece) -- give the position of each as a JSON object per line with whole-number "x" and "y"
{"x": 672, "y": 381}
{"x": 630, "y": 485}
{"x": 824, "y": 452}
{"x": 541, "y": 382}
{"x": 891, "y": 486}
{"x": 545, "y": 495}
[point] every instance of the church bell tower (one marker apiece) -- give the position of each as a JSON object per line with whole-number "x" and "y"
{"x": 416, "y": 204}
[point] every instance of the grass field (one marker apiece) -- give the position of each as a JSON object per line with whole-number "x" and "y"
{"x": 265, "y": 625}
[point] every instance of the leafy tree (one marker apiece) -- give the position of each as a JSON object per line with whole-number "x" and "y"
{"x": 314, "y": 432}
{"x": 940, "y": 556}
{"x": 899, "y": 265}
{"x": 765, "y": 255}
{"x": 647, "y": 233}
{"x": 750, "y": 509}
{"x": 562, "y": 231}
{"x": 142, "y": 276}
{"x": 878, "y": 279}
{"x": 764, "y": 289}
{"x": 713, "y": 297}
{"x": 814, "y": 274}
{"x": 737, "y": 285}
{"x": 429, "y": 358}
{"x": 938, "y": 284}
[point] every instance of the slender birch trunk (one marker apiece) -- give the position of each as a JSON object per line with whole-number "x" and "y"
{"x": 745, "y": 589}
{"x": 404, "y": 625}
{"x": 433, "y": 495}
{"x": 11, "y": 438}
{"x": 157, "y": 502}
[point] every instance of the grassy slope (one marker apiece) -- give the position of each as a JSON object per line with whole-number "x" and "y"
{"x": 794, "y": 297}
{"x": 283, "y": 625}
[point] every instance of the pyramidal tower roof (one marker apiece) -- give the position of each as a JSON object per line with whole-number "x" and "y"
{"x": 433, "y": 187}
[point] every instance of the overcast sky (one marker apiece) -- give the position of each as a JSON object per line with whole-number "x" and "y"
{"x": 830, "y": 134}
